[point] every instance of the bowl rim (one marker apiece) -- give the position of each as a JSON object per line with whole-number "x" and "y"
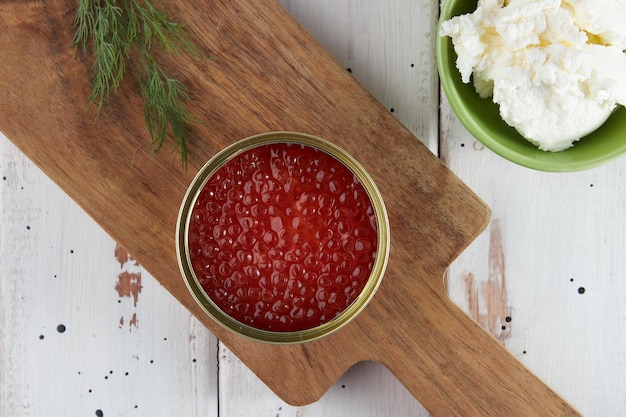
{"x": 444, "y": 52}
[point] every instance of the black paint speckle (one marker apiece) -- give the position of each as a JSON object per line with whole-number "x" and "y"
{"x": 392, "y": 110}
{"x": 462, "y": 145}
{"x": 349, "y": 70}
{"x": 412, "y": 65}
{"x": 71, "y": 250}
{"x": 508, "y": 319}
{"x": 524, "y": 352}
{"x": 61, "y": 328}
{"x": 581, "y": 290}
{"x": 194, "y": 360}
{"x": 4, "y": 178}
{"x": 27, "y": 227}
{"x": 571, "y": 280}
{"x": 41, "y": 337}
{"x": 99, "y": 413}
{"x": 343, "y": 386}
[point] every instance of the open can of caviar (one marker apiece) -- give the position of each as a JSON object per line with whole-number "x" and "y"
{"x": 282, "y": 237}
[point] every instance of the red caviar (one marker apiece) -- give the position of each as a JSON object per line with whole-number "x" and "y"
{"x": 283, "y": 237}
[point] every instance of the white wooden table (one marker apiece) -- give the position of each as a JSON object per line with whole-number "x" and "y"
{"x": 86, "y": 331}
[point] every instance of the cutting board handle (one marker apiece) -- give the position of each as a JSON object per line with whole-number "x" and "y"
{"x": 454, "y": 367}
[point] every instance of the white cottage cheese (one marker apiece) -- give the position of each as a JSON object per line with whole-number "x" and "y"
{"x": 602, "y": 18}
{"x": 540, "y": 66}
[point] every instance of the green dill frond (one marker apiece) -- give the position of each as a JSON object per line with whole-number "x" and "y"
{"x": 164, "y": 105}
{"x": 83, "y": 26}
{"x": 115, "y": 29}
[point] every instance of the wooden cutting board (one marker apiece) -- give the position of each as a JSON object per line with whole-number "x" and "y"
{"x": 266, "y": 73}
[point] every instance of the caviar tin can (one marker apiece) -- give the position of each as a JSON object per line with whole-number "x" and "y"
{"x": 218, "y": 312}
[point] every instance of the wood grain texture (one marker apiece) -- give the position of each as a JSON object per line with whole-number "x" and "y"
{"x": 559, "y": 234}
{"x": 446, "y": 360}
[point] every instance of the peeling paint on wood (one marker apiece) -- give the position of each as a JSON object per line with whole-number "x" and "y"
{"x": 487, "y": 300}
{"x": 133, "y": 320}
{"x": 128, "y": 283}
{"x": 122, "y": 256}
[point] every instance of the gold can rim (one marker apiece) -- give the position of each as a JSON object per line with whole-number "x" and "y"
{"x": 221, "y": 317}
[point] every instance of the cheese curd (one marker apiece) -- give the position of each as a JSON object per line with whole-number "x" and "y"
{"x": 603, "y": 19}
{"x": 551, "y": 82}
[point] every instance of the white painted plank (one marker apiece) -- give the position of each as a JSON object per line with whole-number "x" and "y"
{"x": 550, "y": 235}
{"x": 389, "y": 48}
{"x": 127, "y": 348}
{"x": 367, "y": 389}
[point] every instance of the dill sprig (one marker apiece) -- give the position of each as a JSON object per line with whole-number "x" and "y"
{"x": 117, "y": 29}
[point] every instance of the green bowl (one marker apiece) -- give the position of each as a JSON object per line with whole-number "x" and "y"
{"x": 482, "y": 119}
